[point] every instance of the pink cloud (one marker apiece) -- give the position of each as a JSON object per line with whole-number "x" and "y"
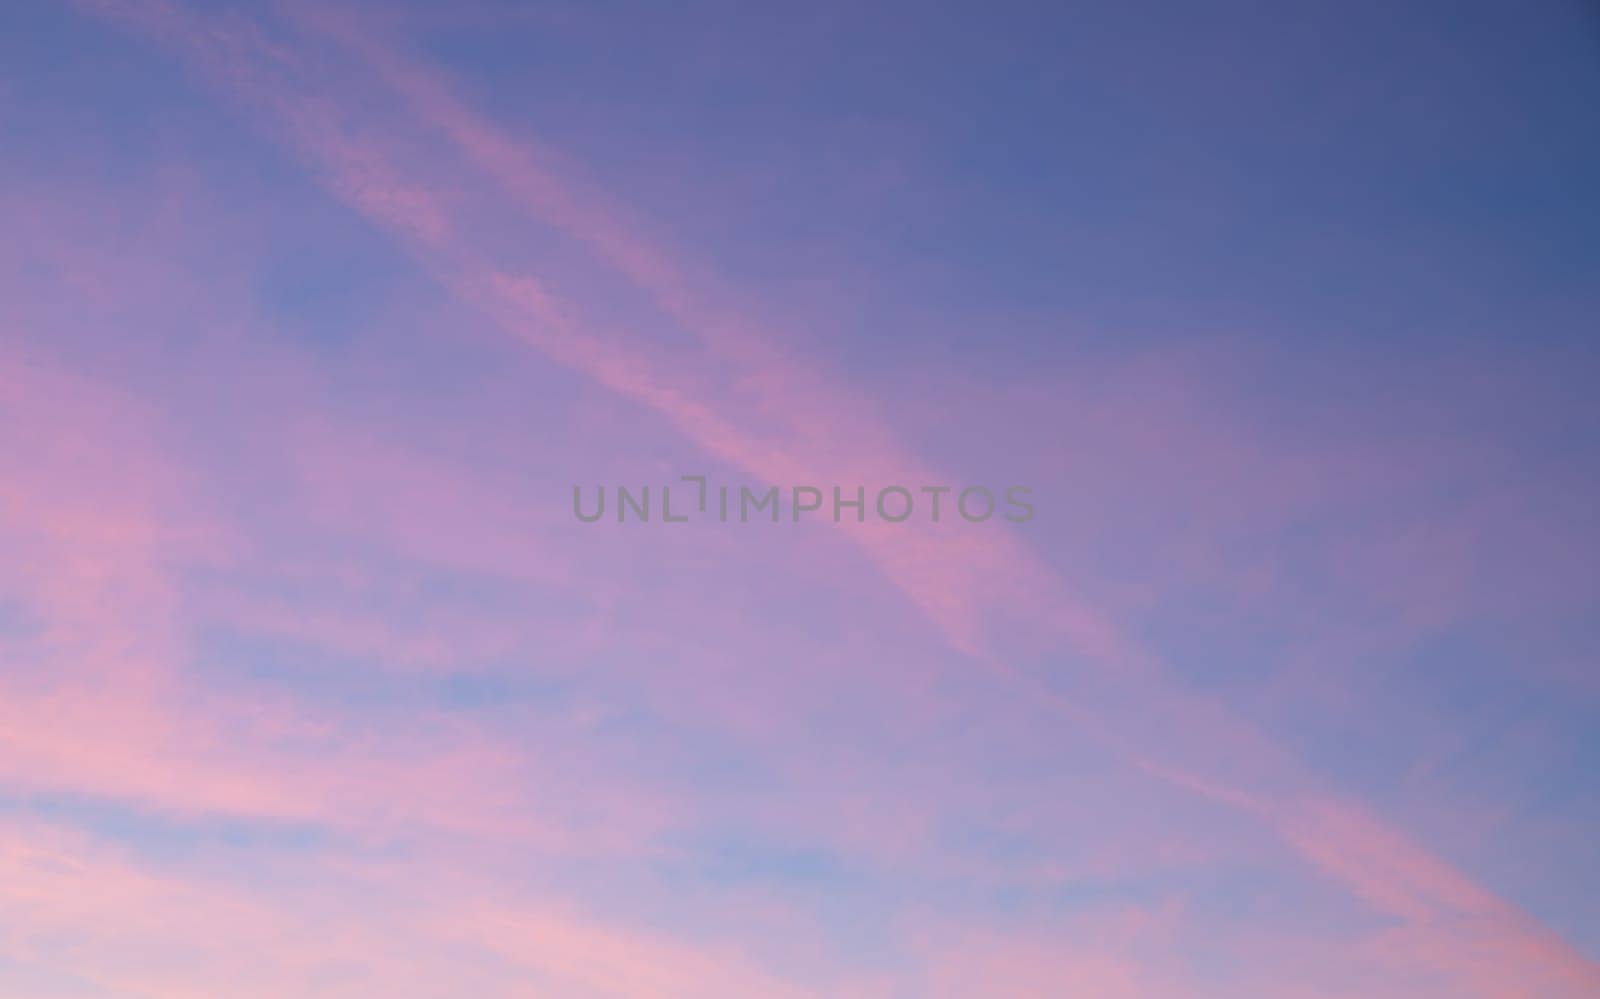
{"x": 116, "y": 549}
{"x": 959, "y": 583}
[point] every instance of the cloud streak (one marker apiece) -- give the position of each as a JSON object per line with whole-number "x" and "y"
{"x": 102, "y": 707}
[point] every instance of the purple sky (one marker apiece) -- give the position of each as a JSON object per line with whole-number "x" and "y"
{"x": 313, "y": 315}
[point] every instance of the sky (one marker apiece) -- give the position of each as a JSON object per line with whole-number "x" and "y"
{"x": 313, "y": 316}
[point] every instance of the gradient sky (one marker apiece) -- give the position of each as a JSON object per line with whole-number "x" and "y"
{"x": 313, "y": 314}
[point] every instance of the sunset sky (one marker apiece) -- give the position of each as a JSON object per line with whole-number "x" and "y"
{"x": 313, "y": 314}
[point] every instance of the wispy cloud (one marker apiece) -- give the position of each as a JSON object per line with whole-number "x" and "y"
{"x": 532, "y": 848}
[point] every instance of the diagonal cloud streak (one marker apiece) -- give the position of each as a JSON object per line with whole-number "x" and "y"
{"x": 745, "y": 402}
